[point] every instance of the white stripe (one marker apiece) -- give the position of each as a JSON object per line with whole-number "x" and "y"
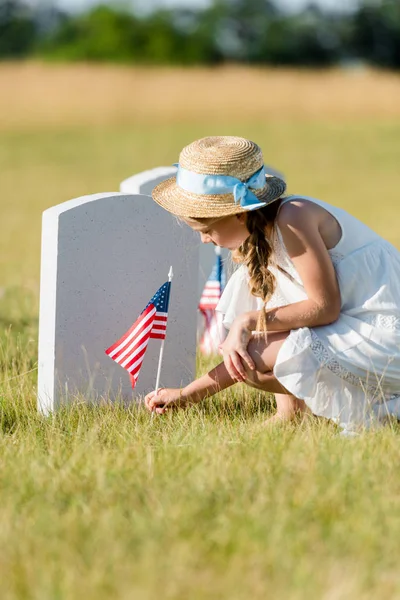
{"x": 132, "y": 334}
{"x": 127, "y": 350}
{"x": 212, "y": 284}
{"x": 212, "y": 335}
{"x": 138, "y": 362}
{"x": 137, "y": 351}
{"x": 216, "y": 295}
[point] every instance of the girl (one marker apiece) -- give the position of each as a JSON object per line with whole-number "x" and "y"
{"x": 323, "y": 287}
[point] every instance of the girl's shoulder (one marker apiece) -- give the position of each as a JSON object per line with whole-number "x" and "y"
{"x": 304, "y": 221}
{"x": 301, "y": 213}
{"x": 299, "y": 208}
{"x": 340, "y": 230}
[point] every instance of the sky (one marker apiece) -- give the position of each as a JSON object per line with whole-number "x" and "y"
{"x": 74, "y": 5}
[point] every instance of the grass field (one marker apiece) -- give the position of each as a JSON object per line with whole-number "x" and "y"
{"x": 107, "y": 503}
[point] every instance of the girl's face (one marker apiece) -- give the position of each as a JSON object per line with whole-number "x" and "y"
{"x": 229, "y": 232}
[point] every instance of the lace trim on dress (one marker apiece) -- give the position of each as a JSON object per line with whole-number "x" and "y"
{"x": 336, "y": 257}
{"x": 390, "y": 322}
{"x": 327, "y": 359}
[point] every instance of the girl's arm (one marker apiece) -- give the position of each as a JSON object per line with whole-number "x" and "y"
{"x": 216, "y": 380}
{"x": 299, "y": 226}
{"x": 306, "y": 313}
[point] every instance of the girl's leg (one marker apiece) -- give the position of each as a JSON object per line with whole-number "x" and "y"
{"x": 288, "y": 408}
{"x": 264, "y": 353}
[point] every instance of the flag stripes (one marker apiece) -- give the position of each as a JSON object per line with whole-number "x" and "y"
{"x": 130, "y": 349}
{"x": 213, "y": 331}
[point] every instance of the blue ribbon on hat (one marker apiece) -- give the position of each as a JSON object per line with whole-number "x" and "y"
{"x": 206, "y": 185}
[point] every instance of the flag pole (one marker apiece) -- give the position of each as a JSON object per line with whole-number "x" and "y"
{"x": 170, "y": 276}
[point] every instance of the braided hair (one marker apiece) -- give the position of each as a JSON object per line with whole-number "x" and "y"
{"x": 256, "y": 252}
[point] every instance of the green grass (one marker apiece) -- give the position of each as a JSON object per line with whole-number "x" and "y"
{"x": 106, "y": 502}
{"x": 352, "y": 165}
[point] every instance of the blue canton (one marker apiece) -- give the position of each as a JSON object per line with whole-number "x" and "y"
{"x": 161, "y": 298}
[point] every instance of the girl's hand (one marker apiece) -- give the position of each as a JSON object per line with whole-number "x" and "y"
{"x": 234, "y": 350}
{"x": 166, "y": 399}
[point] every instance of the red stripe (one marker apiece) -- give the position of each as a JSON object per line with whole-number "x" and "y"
{"x": 137, "y": 357}
{"x": 144, "y": 326}
{"x": 132, "y": 355}
{"x": 136, "y": 370}
{"x": 130, "y": 359}
{"x": 157, "y": 336}
{"x": 208, "y": 305}
{"x": 127, "y": 334}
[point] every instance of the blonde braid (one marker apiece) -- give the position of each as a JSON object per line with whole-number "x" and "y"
{"x": 255, "y": 253}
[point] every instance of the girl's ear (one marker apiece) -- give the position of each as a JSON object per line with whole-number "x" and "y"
{"x": 241, "y": 217}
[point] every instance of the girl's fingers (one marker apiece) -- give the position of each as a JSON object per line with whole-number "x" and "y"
{"x": 155, "y": 392}
{"x": 230, "y": 367}
{"x": 163, "y": 409}
{"x": 158, "y": 401}
{"x": 248, "y": 360}
{"x": 238, "y": 365}
{"x": 152, "y": 399}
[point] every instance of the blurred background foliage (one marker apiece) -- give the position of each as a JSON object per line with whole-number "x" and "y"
{"x": 248, "y": 31}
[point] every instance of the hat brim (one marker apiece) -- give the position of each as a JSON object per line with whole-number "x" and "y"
{"x": 186, "y": 204}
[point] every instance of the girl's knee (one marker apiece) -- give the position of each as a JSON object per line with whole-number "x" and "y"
{"x": 263, "y": 381}
{"x": 264, "y": 350}
{"x": 256, "y": 348}
{"x": 253, "y": 377}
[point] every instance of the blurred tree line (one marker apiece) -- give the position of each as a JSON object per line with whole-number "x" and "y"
{"x": 250, "y": 31}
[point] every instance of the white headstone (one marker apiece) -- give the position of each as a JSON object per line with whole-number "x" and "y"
{"x": 103, "y": 258}
{"x": 143, "y": 183}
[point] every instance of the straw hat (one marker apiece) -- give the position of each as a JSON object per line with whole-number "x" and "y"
{"x": 223, "y": 155}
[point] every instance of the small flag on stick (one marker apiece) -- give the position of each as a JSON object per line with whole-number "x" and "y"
{"x": 130, "y": 349}
{"x": 214, "y": 331}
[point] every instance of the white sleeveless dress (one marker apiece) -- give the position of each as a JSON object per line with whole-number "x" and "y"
{"x": 348, "y": 371}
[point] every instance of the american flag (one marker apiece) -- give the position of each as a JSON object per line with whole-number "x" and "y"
{"x": 214, "y": 331}
{"x": 129, "y": 351}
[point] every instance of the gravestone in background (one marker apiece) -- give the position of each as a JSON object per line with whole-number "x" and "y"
{"x": 103, "y": 258}
{"x": 144, "y": 182}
